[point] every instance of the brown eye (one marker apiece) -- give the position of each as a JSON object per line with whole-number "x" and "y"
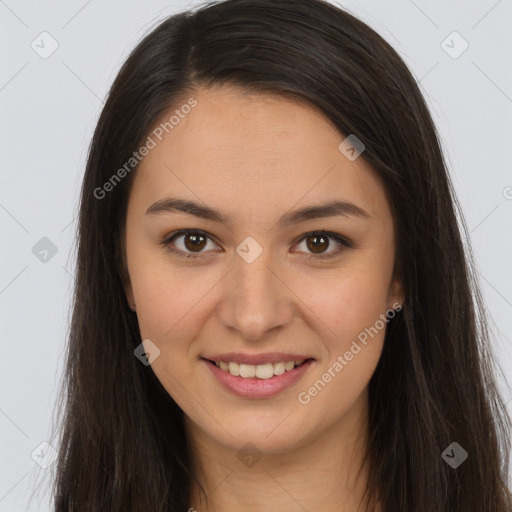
{"x": 191, "y": 244}
{"x": 317, "y": 244}
{"x": 194, "y": 241}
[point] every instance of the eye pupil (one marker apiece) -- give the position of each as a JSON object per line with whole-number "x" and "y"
{"x": 315, "y": 245}
{"x": 194, "y": 238}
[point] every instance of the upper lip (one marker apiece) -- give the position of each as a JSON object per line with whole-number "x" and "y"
{"x": 270, "y": 357}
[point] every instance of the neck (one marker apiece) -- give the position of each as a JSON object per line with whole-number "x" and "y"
{"x": 324, "y": 473}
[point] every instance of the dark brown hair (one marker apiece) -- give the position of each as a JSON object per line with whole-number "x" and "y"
{"x": 122, "y": 445}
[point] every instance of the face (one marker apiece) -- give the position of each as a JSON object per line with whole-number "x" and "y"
{"x": 242, "y": 277}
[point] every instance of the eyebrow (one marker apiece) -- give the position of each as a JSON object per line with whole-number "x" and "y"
{"x": 311, "y": 212}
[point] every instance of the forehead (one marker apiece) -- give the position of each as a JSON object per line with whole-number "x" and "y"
{"x": 244, "y": 149}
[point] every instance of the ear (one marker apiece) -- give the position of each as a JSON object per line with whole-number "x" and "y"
{"x": 129, "y": 295}
{"x": 127, "y": 285}
{"x": 396, "y": 294}
{"x": 124, "y": 274}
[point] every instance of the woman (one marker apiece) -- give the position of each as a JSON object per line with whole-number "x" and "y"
{"x": 221, "y": 357}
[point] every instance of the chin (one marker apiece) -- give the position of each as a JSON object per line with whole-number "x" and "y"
{"x": 268, "y": 433}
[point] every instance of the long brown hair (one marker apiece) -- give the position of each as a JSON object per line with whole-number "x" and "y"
{"x": 122, "y": 444}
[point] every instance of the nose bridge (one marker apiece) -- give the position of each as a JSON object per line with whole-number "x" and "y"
{"x": 256, "y": 300}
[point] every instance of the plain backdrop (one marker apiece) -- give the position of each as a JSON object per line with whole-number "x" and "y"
{"x": 459, "y": 51}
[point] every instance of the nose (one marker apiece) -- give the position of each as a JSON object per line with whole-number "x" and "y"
{"x": 256, "y": 299}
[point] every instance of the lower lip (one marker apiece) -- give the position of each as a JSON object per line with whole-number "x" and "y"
{"x": 258, "y": 388}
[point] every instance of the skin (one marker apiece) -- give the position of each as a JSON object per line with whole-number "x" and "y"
{"x": 256, "y": 157}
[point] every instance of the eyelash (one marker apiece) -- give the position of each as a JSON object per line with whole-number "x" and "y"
{"x": 345, "y": 243}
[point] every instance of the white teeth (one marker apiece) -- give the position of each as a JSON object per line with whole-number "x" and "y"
{"x": 261, "y": 371}
{"x": 234, "y": 369}
{"x": 289, "y": 365}
{"x": 247, "y": 370}
{"x": 265, "y": 371}
{"x": 279, "y": 368}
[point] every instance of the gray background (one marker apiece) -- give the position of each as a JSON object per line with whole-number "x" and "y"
{"x": 49, "y": 107}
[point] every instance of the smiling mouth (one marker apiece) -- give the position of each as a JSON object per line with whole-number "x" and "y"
{"x": 260, "y": 371}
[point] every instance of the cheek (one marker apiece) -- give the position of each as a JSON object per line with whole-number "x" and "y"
{"x": 168, "y": 305}
{"x": 166, "y": 294}
{"x": 169, "y": 314}
{"x": 347, "y": 302}
{"x": 355, "y": 313}
{"x": 350, "y": 308}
